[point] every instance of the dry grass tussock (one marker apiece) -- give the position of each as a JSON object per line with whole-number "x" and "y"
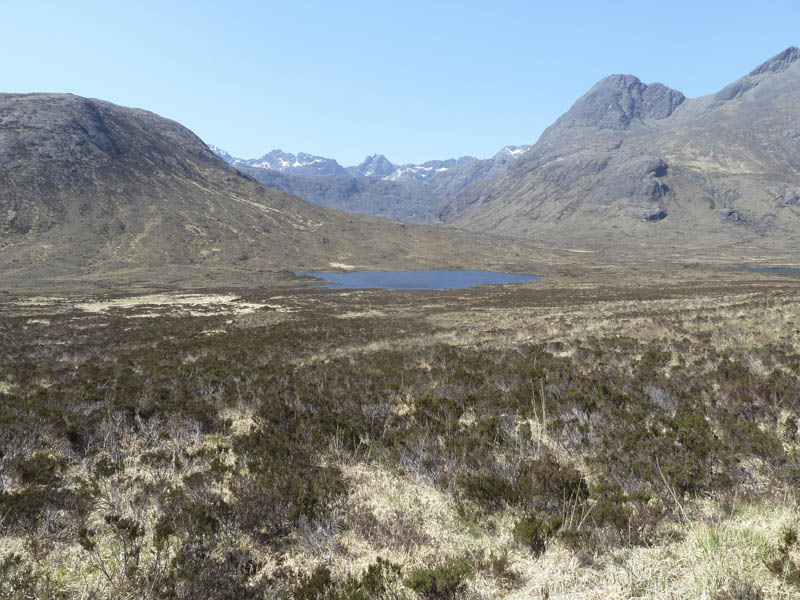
{"x": 720, "y": 547}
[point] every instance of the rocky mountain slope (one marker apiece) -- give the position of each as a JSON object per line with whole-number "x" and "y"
{"x": 93, "y": 190}
{"x": 376, "y": 165}
{"x": 376, "y": 187}
{"x": 411, "y": 202}
{"x": 640, "y": 163}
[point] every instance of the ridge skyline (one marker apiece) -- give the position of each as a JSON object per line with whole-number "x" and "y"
{"x": 346, "y": 82}
{"x": 377, "y": 156}
{"x": 783, "y": 58}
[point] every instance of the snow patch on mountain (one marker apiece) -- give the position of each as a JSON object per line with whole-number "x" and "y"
{"x": 302, "y": 163}
{"x": 376, "y": 166}
{"x": 231, "y": 160}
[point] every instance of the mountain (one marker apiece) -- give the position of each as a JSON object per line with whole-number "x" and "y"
{"x": 376, "y": 165}
{"x": 376, "y": 187}
{"x": 284, "y": 162}
{"x": 641, "y": 163}
{"x": 379, "y": 166}
{"x": 94, "y": 192}
{"x": 427, "y": 170}
{"x": 450, "y": 180}
{"x": 410, "y": 202}
{"x": 231, "y": 160}
{"x": 302, "y": 164}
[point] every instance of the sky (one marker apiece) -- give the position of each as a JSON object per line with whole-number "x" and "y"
{"x": 413, "y": 80}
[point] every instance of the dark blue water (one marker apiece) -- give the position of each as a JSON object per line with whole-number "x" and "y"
{"x": 418, "y": 280}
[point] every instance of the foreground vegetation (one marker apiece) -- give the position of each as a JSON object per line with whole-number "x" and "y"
{"x": 638, "y": 443}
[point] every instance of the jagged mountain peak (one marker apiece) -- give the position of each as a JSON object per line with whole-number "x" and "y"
{"x": 617, "y": 101}
{"x": 278, "y": 154}
{"x": 767, "y": 71}
{"x": 376, "y": 165}
{"x": 779, "y": 62}
{"x": 618, "y": 80}
{"x": 303, "y": 163}
{"x": 512, "y": 151}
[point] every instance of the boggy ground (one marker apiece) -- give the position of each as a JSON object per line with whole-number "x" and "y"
{"x": 633, "y": 436}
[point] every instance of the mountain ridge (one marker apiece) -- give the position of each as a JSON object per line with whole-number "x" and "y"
{"x": 374, "y": 165}
{"x": 375, "y": 187}
{"x": 779, "y": 62}
{"x": 617, "y": 101}
{"x": 669, "y": 170}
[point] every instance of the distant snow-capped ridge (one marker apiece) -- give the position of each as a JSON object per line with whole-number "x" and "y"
{"x": 515, "y": 151}
{"x": 412, "y": 172}
{"x": 285, "y": 162}
{"x": 376, "y": 166}
{"x": 231, "y": 160}
{"x": 302, "y": 163}
{"x": 376, "y": 187}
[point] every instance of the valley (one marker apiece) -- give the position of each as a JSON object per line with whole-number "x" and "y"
{"x": 184, "y": 416}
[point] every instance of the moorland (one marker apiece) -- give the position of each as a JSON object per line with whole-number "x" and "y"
{"x": 611, "y": 430}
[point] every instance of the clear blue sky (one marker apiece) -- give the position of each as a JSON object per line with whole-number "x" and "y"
{"x": 414, "y": 80}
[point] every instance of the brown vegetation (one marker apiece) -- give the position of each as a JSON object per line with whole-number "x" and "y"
{"x": 400, "y": 445}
